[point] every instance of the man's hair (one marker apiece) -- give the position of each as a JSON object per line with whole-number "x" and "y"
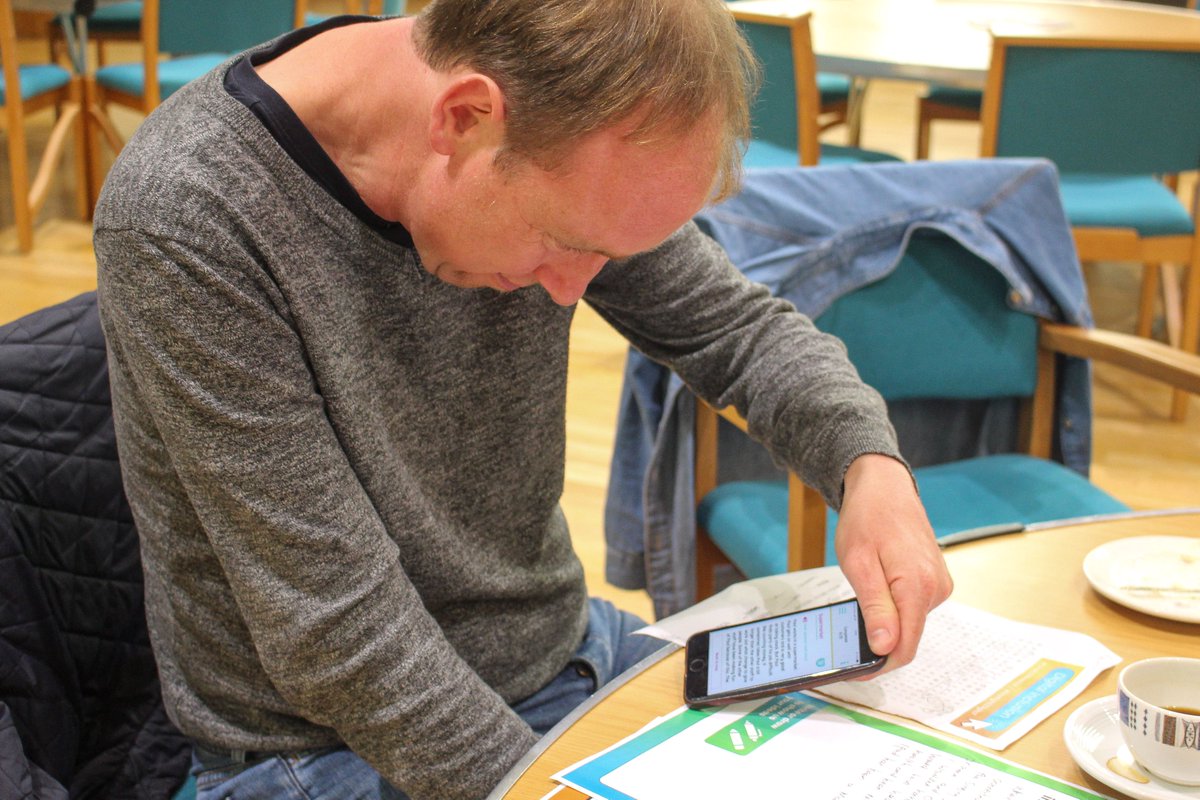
{"x": 572, "y": 67}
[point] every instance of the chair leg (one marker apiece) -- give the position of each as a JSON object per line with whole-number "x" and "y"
{"x": 1190, "y": 336}
{"x": 18, "y": 162}
{"x": 1172, "y": 304}
{"x": 854, "y": 110}
{"x": 57, "y": 43}
{"x": 53, "y": 154}
{"x": 806, "y": 526}
{"x": 82, "y": 165}
{"x": 93, "y": 157}
{"x": 1148, "y": 300}
{"x": 923, "y": 129}
{"x": 708, "y": 558}
{"x": 1169, "y": 280}
{"x": 98, "y": 124}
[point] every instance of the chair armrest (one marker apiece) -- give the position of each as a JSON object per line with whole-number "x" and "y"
{"x": 730, "y": 414}
{"x": 1143, "y": 356}
{"x": 806, "y": 507}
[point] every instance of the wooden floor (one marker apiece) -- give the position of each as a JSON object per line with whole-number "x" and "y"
{"x": 1140, "y": 456}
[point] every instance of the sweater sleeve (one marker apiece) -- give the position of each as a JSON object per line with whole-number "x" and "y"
{"x": 687, "y": 306}
{"x": 203, "y": 355}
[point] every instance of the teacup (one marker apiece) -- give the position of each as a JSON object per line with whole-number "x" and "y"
{"x": 1160, "y": 716}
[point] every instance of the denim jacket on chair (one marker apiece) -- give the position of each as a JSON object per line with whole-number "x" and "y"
{"x": 812, "y": 235}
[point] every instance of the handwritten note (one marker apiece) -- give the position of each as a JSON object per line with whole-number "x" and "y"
{"x": 984, "y": 678}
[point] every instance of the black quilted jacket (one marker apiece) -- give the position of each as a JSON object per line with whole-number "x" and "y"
{"x": 80, "y": 708}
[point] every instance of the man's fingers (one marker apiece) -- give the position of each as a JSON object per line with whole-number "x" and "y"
{"x": 883, "y": 626}
{"x": 887, "y": 551}
{"x": 880, "y": 618}
{"x": 894, "y": 612}
{"x": 915, "y": 596}
{"x": 912, "y": 623}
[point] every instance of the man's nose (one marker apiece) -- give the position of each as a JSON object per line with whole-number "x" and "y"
{"x": 566, "y": 280}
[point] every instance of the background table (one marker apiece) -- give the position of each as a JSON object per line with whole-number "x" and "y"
{"x": 948, "y": 41}
{"x": 73, "y": 16}
{"x": 1033, "y": 577}
{"x": 62, "y": 6}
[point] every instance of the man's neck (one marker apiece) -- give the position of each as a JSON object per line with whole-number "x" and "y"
{"x": 359, "y": 90}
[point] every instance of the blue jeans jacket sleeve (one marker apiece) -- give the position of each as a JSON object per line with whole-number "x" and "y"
{"x": 812, "y": 235}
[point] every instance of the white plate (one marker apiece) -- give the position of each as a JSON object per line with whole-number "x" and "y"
{"x": 1093, "y": 736}
{"x": 1170, "y": 562}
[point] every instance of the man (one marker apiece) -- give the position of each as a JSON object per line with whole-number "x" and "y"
{"x": 337, "y": 278}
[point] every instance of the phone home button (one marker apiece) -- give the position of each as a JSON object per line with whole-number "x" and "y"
{"x": 697, "y": 665}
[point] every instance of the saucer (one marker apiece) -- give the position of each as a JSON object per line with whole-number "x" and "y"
{"x": 1157, "y": 575}
{"x": 1093, "y": 736}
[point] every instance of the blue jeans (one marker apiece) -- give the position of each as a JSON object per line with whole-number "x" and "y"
{"x": 336, "y": 773}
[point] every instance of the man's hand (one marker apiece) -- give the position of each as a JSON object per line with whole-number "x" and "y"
{"x": 887, "y": 551}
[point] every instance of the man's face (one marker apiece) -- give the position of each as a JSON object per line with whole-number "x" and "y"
{"x": 515, "y": 227}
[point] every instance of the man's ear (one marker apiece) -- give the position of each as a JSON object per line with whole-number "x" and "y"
{"x": 469, "y": 111}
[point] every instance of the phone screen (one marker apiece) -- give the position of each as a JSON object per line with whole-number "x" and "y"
{"x": 783, "y": 648}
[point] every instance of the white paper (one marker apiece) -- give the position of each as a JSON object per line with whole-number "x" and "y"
{"x": 761, "y": 597}
{"x": 976, "y": 675}
{"x": 759, "y": 748}
{"x": 987, "y": 679}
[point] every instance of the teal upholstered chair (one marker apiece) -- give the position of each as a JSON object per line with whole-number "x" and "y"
{"x": 944, "y": 102}
{"x": 116, "y": 18}
{"x": 1114, "y": 116}
{"x": 113, "y": 22}
{"x": 193, "y": 44}
{"x": 187, "y": 791}
{"x": 786, "y": 113}
{"x": 962, "y": 341}
{"x": 839, "y": 93}
{"x": 28, "y": 89}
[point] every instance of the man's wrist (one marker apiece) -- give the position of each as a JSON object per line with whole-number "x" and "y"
{"x": 871, "y": 469}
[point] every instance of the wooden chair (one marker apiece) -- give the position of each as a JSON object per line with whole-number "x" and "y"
{"x": 952, "y": 308}
{"x": 940, "y": 102}
{"x": 28, "y": 89}
{"x": 113, "y": 22}
{"x": 1113, "y": 115}
{"x": 178, "y": 45}
{"x": 786, "y": 114}
{"x": 842, "y": 100}
{"x": 834, "y": 92}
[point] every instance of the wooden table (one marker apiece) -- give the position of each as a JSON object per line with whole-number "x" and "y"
{"x": 74, "y": 25}
{"x": 947, "y": 41}
{"x": 1031, "y": 577}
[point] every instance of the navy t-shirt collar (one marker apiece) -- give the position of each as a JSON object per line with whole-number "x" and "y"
{"x": 244, "y": 84}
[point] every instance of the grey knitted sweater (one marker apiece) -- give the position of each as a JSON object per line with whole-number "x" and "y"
{"x": 346, "y": 473}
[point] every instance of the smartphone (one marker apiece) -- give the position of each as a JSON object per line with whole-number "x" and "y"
{"x": 775, "y": 655}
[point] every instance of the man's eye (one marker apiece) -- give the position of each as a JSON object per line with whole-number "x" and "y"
{"x": 557, "y": 245}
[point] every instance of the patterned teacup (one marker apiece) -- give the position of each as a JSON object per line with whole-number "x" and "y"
{"x": 1160, "y": 716}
